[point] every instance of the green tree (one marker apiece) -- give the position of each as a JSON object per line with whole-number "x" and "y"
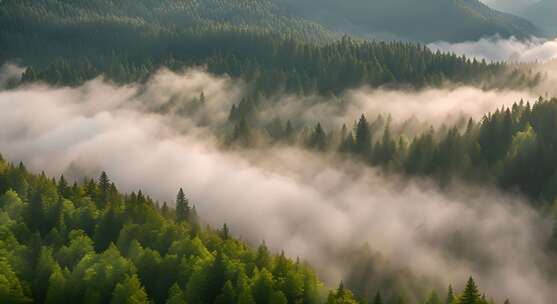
{"x": 362, "y": 142}
{"x": 11, "y": 290}
{"x": 227, "y": 295}
{"x": 450, "y": 295}
{"x": 182, "y": 207}
{"x": 263, "y": 287}
{"x": 176, "y": 295}
{"x": 470, "y": 295}
{"x": 104, "y": 190}
{"x": 57, "y": 290}
{"x": 129, "y": 291}
{"x": 46, "y": 266}
{"x": 318, "y": 138}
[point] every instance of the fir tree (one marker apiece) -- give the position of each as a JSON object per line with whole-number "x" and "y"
{"x": 470, "y": 295}
{"x": 182, "y": 206}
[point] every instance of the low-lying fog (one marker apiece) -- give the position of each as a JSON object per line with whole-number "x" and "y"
{"x": 312, "y": 206}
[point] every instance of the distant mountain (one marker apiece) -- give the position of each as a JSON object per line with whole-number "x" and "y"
{"x": 419, "y": 20}
{"x": 543, "y": 14}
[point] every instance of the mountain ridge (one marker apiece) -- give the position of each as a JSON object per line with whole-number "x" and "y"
{"x": 453, "y": 21}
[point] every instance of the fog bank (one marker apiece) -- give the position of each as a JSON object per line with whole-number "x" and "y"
{"x": 499, "y": 49}
{"x": 312, "y": 206}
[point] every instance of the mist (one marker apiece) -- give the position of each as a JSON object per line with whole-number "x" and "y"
{"x": 10, "y": 74}
{"x": 313, "y": 206}
{"x": 433, "y": 107}
{"x": 499, "y": 49}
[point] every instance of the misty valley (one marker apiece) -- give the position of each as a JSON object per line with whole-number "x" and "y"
{"x": 278, "y": 151}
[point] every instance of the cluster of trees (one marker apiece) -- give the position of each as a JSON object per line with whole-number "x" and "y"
{"x": 88, "y": 243}
{"x": 68, "y": 42}
{"x": 514, "y": 147}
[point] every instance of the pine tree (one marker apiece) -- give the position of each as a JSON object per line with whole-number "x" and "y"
{"x": 129, "y": 291}
{"x": 225, "y": 232}
{"x": 104, "y": 190}
{"x": 57, "y": 292}
{"x": 227, "y": 295}
{"x": 182, "y": 207}
{"x": 63, "y": 188}
{"x": 450, "y": 295}
{"x": 362, "y": 142}
{"x": 176, "y": 295}
{"x": 470, "y": 295}
{"x": 165, "y": 211}
{"x": 318, "y": 138}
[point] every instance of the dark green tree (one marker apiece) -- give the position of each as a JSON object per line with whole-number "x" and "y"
{"x": 182, "y": 207}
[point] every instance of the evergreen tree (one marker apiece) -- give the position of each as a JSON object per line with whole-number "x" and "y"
{"x": 225, "y": 232}
{"x": 182, "y": 207}
{"x": 470, "y": 295}
{"x": 104, "y": 190}
{"x": 450, "y": 295}
{"x": 11, "y": 290}
{"x": 362, "y": 142}
{"x": 176, "y": 295}
{"x": 227, "y": 295}
{"x": 129, "y": 291}
{"x": 57, "y": 291}
{"x": 318, "y": 138}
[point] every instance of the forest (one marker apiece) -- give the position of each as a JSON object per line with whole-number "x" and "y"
{"x": 276, "y": 152}
{"x": 89, "y": 243}
{"x": 513, "y": 147}
{"x": 273, "y": 53}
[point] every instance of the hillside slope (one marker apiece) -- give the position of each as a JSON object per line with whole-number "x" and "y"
{"x": 89, "y": 243}
{"x": 68, "y": 42}
{"x": 425, "y": 20}
{"x": 544, "y": 14}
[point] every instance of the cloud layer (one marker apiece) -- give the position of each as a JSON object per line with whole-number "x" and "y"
{"x": 312, "y": 206}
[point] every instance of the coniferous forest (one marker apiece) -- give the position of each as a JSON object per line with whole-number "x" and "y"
{"x": 89, "y": 243}
{"x": 310, "y": 166}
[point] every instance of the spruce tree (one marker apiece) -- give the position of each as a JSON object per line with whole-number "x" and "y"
{"x": 362, "y": 142}
{"x": 318, "y": 138}
{"x": 175, "y": 295}
{"x": 182, "y": 206}
{"x": 450, "y": 295}
{"x": 470, "y": 295}
{"x": 129, "y": 291}
{"x": 104, "y": 190}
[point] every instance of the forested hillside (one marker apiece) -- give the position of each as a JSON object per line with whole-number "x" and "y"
{"x": 425, "y": 20}
{"x": 268, "y": 94}
{"x": 88, "y": 243}
{"x": 513, "y": 147}
{"x": 67, "y": 42}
